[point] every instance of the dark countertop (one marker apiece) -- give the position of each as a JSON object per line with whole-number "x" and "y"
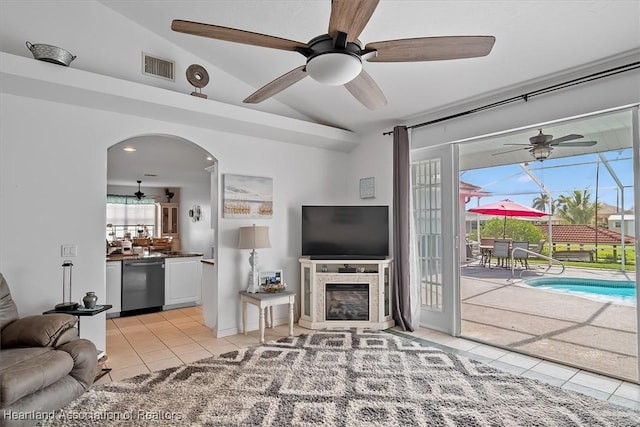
{"x": 120, "y": 257}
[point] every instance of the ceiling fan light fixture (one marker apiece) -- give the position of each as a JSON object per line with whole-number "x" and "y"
{"x": 541, "y": 153}
{"x": 334, "y": 68}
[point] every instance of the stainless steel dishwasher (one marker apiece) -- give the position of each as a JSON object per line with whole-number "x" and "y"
{"x": 142, "y": 284}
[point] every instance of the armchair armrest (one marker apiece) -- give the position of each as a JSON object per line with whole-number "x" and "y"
{"x": 36, "y": 331}
{"x": 85, "y": 360}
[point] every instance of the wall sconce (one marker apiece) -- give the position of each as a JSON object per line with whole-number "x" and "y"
{"x": 195, "y": 213}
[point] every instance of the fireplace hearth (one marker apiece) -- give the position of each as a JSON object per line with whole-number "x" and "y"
{"x": 347, "y": 301}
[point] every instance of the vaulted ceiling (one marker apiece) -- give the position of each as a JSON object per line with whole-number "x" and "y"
{"x": 534, "y": 39}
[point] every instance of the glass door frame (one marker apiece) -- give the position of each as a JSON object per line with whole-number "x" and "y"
{"x": 445, "y": 314}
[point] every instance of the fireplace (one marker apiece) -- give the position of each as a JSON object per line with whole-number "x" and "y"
{"x": 332, "y": 297}
{"x": 347, "y": 301}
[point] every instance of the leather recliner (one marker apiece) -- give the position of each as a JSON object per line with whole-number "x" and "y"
{"x": 44, "y": 365}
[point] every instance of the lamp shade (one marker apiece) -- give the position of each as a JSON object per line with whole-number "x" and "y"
{"x": 254, "y": 237}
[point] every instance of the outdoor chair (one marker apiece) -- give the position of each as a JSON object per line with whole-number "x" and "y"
{"x": 521, "y": 256}
{"x": 538, "y": 248}
{"x": 501, "y": 252}
{"x": 486, "y": 247}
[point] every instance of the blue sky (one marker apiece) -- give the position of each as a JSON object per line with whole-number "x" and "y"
{"x": 560, "y": 176}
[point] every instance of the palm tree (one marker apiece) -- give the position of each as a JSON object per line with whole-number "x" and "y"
{"x": 542, "y": 202}
{"x": 577, "y": 209}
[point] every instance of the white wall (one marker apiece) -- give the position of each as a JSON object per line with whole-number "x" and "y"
{"x": 53, "y": 169}
{"x": 107, "y": 43}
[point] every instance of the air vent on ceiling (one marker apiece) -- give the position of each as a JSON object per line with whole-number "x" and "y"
{"x": 157, "y": 67}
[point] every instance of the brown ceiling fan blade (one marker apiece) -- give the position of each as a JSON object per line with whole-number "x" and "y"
{"x": 431, "y": 48}
{"x": 365, "y": 90}
{"x": 350, "y": 17}
{"x": 277, "y": 85}
{"x": 576, "y": 144}
{"x": 565, "y": 138}
{"x": 234, "y": 35}
{"x": 508, "y": 151}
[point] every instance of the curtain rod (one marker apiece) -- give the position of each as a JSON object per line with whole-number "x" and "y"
{"x": 525, "y": 97}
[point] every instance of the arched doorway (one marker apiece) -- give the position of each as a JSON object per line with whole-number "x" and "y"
{"x": 172, "y": 171}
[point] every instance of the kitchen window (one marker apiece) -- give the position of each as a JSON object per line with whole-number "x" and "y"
{"x": 130, "y": 217}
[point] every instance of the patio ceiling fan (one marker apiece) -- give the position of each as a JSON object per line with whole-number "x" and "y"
{"x": 541, "y": 145}
{"x": 335, "y": 58}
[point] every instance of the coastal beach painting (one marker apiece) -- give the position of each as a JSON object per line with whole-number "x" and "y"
{"x": 248, "y": 196}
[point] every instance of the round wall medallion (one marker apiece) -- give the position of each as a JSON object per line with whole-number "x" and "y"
{"x": 197, "y": 76}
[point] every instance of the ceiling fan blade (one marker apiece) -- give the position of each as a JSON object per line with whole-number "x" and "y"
{"x": 508, "y": 151}
{"x": 431, "y": 48}
{"x": 528, "y": 145}
{"x": 234, "y": 35}
{"x": 565, "y": 138}
{"x": 365, "y": 90}
{"x": 350, "y": 17}
{"x": 277, "y": 85}
{"x": 576, "y": 144}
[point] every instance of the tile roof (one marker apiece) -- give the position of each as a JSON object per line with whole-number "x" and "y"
{"x": 581, "y": 233}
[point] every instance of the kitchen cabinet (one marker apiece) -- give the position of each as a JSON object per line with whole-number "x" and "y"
{"x": 168, "y": 219}
{"x": 183, "y": 278}
{"x": 114, "y": 288}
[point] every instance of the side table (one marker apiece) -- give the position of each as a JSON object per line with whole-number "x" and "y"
{"x": 264, "y": 300}
{"x": 79, "y": 312}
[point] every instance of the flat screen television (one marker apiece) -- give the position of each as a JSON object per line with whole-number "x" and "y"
{"x": 345, "y": 232}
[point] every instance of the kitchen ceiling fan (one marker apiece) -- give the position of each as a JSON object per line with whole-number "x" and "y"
{"x": 139, "y": 194}
{"x": 335, "y": 58}
{"x": 541, "y": 145}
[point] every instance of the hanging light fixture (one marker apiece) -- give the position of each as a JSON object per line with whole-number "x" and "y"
{"x": 541, "y": 152}
{"x": 334, "y": 62}
{"x": 139, "y": 194}
{"x": 334, "y": 69}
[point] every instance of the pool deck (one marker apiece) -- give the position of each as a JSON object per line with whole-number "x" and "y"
{"x": 591, "y": 334}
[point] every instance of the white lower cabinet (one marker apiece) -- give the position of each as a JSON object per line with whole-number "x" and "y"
{"x": 182, "y": 282}
{"x": 114, "y": 287}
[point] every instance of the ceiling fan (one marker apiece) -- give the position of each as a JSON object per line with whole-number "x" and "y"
{"x": 139, "y": 194}
{"x": 541, "y": 145}
{"x": 335, "y": 58}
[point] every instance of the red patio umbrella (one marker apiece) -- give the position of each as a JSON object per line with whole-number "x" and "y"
{"x": 507, "y": 208}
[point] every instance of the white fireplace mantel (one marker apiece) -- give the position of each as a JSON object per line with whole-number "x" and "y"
{"x": 316, "y": 274}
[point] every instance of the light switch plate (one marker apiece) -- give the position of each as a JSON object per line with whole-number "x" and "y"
{"x": 68, "y": 250}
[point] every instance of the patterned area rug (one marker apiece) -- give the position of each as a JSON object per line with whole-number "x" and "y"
{"x": 350, "y": 377}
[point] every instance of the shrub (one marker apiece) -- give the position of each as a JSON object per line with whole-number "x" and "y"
{"x": 516, "y": 229}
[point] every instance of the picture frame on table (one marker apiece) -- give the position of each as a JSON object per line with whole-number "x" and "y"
{"x": 270, "y": 280}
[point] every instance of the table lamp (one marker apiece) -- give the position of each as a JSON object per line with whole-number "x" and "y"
{"x": 253, "y": 237}
{"x": 66, "y": 303}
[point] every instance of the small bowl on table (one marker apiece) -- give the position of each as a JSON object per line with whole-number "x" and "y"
{"x": 272, "y": 288}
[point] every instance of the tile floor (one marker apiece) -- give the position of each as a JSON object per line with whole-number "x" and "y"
{"x": 150, "y": 342}
{"x": 602, "y": 387}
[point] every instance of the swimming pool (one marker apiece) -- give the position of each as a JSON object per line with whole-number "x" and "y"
{"x": 618, "y": 291}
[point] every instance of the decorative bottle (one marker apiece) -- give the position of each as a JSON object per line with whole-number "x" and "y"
{"x": 90, "y": 300}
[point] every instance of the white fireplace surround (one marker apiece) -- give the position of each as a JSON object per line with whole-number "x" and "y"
{"x": 316, "y": 274}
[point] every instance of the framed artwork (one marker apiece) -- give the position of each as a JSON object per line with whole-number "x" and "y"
{"x": 247, "y": 196}
{"x": 367, "y": 188}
